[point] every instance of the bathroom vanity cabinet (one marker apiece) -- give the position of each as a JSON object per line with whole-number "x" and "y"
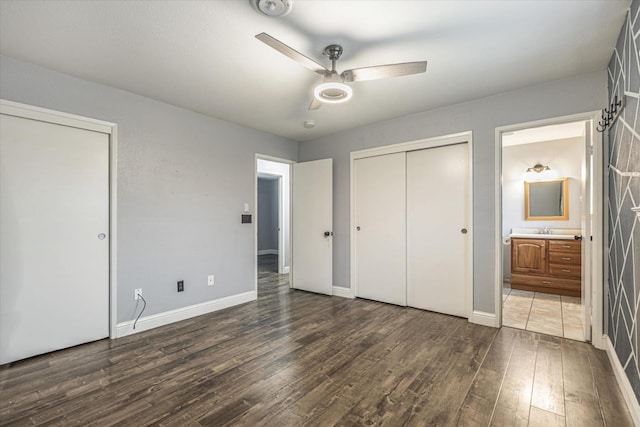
{"x": 546, "y": 265}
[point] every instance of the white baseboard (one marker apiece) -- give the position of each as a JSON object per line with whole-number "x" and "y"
{"x": 483, "y": 318}
{"x": 268, "y": 252}
{"x": 172, "y": 316}
{"x": 343, "y": 292}
{"x": 623, "y": 382}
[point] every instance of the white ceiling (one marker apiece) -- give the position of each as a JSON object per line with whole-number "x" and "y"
{"x": 202, "y": 55}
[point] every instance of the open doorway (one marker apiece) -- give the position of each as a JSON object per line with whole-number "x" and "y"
{"x": 272, "y": 222}
{"x": 546, "y": 228}
{"x": 268, "y": 221}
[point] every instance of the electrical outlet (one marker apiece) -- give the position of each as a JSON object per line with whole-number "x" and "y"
{"x": 180, "y": 285}
{"x": 137, "y": 293}
{"x": 210, "y": 280}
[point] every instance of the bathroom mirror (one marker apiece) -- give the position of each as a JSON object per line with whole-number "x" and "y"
{"x": 546, "y": 200}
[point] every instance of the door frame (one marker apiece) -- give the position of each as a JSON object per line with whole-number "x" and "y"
{"x": 26, "y": 111}
{"x": 421, "y": 144}
{"x": 598, "y": 256}
{"x": 281, "y": 239}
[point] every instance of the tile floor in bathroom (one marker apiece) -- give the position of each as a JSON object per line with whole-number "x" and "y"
{"x": 549, "y": 314}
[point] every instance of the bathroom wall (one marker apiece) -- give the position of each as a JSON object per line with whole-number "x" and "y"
{"x": 564, "y": 157}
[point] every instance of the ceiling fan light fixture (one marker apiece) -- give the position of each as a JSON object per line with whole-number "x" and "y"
{"x": 333, "y": 92}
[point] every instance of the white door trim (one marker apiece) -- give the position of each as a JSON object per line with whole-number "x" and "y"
{"x": 281, "y": 239}
{"x": 458, "y": 138}
{"x": 66, "y": 119}
{"x": 598, "y": 258}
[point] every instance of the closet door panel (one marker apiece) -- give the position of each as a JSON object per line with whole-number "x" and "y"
{"x": 437, "y": 213}
{"x": 380, "y": 220}
{"x": 54, "y": 237}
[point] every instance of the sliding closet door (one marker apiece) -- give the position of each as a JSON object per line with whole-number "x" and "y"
{"x": 54, "y": 237}
{"x": 380, "y": 258}
{"x": 437, "y": 222}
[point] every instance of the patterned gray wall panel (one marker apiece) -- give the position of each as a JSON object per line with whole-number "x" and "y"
{"x": 624, "y": 196}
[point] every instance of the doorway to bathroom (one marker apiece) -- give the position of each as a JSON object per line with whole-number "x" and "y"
{"x": 548, "y": 191}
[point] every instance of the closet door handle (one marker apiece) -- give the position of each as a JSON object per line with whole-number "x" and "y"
{"x": 463, "y": 231}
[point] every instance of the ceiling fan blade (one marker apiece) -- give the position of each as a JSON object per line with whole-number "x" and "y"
{"x": 292, "y": 53}
{"x": 315, "y": 104}
{"x": 384, "y": 71}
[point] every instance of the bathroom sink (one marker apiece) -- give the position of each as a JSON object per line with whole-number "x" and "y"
{"x": 542, "y": 236}
{"x": 553, "y": 233}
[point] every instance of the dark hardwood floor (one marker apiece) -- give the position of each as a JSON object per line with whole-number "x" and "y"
{"x": 293, "y": 358}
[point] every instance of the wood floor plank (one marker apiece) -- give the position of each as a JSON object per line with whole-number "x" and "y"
{"x": 514, "y": 401}
{"x": 548, "y": 384}
{"x": 293, "y": 358}
{"x": 477, "y": 408}
{"x": 542, "y": 418}
{"x": 610, "y": 398}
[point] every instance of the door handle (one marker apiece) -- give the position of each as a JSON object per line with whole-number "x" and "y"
{"x": 101, "y": 236}
{"x": 358, "y": 228}
{"x": 328, "y": 233}
{"x": 463, "y": 231}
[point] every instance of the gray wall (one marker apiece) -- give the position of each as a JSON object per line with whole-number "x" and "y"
{"x": 182, "y": 181}
{"x": 563, "y": 97}
{"x": 267, "y": 214}
{"x": 624, "y": 194}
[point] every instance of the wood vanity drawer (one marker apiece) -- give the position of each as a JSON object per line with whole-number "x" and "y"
{"x": 552, "y": 285}
{"x": 564, "y": 245}
{"x": 565, "y": 258}
{"x": 572, "y": 271}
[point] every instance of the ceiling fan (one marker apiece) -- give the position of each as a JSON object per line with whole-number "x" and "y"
{"x": 334, "y": 89}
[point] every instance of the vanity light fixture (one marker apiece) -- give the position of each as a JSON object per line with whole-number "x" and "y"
{"x": 333, "y": 92}
{"x": 538, "y": 168}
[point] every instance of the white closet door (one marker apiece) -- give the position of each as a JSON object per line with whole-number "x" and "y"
{"x": 54, "y": 237}
{"x": 380, "y": 228}
{"x": 437, "y": 213}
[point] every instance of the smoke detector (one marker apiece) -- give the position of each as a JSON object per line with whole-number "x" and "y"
{"x": 273, "y": 8}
